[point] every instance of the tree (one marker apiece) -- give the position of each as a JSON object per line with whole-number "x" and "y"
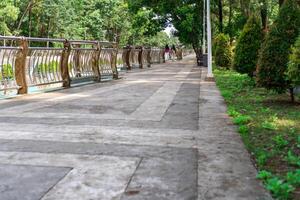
{"x": 273, "y": 59}
{"x": 248, "y": 45}
{"x": 186, "y": 16}
{"x": 8, "y": 14}
{"x": 293, "y": 71}
{"x": 222, "y": 51}
{"x": 220, "y": 8}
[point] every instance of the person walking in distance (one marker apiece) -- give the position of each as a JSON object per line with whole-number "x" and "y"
{"x": 173, "y": 50}
{"x": 167, "y": 52}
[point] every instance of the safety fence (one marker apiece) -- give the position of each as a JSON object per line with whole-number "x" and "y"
{"x": 26, "y": 62}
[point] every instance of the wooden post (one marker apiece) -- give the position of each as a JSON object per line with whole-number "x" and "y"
{"x": 113, "y": 60}
{"x": 140, "y": 57}
{"x": 162, "y": 55}
{"x": 20, "y": 67}
{"x": 64, "y": 65}
{"x": 148, "y": 57}
{"x": 96, "y": 63}
{"x": 126, "y": 57}
{"x": 77, "y": 61}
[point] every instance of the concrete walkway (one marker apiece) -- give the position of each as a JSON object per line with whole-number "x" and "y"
{"x": 157, "y": 134}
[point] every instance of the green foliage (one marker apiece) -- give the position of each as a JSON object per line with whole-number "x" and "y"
{"x": 243, "y": 129}
{"x": 264, "y": 175}
{"x": 293, "y": 159}
{"x": 242, "y": 119}
{"x": 270, "y": 134}
{"x": 293, "y": 71}
{"x": 294, "y": 178}
{"x": 185, "y": 16}
{"x": 280, "y": 142}
{"x": 268, "y": 125}
{"x": 222, "y": 51}
{"x": 8, "y": 14}
{"x": 48, "y": 68}
{"x": 273, "y": 59}
{"x": 279, "y": 189}
{"x": 6, "y": 72}
{"x": 248, "y": 45}
{"x": 261, "y": 158}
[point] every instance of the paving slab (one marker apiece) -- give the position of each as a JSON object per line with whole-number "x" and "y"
{"x": 158, "y": 133}
{"x": 28, "y": 182}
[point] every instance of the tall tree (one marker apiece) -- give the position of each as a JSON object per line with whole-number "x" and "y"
{"x": 220, "y": 8}
{"x": 186, "y": 16}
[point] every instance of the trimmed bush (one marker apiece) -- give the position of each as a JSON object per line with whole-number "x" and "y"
{"x": 247, "y": 48}
{"x": 222, "y": 50}
{"x": 274, "y": 55}
{"x": 293, "y": 71}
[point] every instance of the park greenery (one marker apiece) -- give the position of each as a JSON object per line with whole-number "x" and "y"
{"x": 255, "y": 48}
{"x": 259, "y": 89}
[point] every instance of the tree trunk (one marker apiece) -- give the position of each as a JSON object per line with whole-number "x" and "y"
{"x": 281, "y": 2}
{"x": 230, "y": 21}
{"x": 28, "y": 7}
{"x": 264, "y": 14}
{"x": 292, "y": 95}
{"x": 198, "y": 53}
{"x": 220, "y": 7}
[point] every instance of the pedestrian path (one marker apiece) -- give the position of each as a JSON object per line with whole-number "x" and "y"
{"x": 156, "y": 134}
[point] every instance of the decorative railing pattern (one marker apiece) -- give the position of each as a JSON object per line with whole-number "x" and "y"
{"x": 26, "y": 62}
{"x": 82, "y": 60}
{"x": 157, "y": 55}
{"x": 135, "y": 56}
{"x": 42, "y": 63}
{"x": 8, "y": 56}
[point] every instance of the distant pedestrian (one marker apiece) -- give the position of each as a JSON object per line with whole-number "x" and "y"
{"x": 173, "y": 52}
{"x": 167, "y": 52}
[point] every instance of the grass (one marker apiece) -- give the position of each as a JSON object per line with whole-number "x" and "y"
{"x": 270, "y": 128}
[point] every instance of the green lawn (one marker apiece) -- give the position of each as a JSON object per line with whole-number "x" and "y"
{"x": 270, "y": 127}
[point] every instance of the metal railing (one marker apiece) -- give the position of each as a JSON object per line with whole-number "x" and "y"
{"x": 26, "y": 62}
{"x": 157, "y": 55}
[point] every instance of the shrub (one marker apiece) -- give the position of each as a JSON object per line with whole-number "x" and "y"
{"x": 248, "y": 45}
{"x": 293, "y": 71}
{"x": 273, "y": 58}
{"x": 6, "y": 72}
{"x": 222, "y": 51}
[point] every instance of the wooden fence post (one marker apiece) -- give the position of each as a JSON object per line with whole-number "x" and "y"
{"x": 20, "y": 67}
{"x": 148, "y": 57}
{"x": 113, "y": 60}
{"x": 140, "y": 57}
{"x": 76, "y": 59}
{"x": 126, "y": 57}
{"x": 64, "y": 65}
{"x": 96, "y": 63}
{"x": 162, "y": 55}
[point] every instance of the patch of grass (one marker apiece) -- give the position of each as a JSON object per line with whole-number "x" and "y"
{"x": 270, "y": 128}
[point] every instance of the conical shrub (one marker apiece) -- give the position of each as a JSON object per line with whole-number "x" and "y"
{"x": 222, "y": 51}
{"x": 248, "y": 45}
{"x": 293, "y": 71}
{"x": 274, "y": 54}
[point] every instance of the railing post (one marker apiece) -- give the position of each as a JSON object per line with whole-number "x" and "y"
{"x": 126, "y": 57}
{"x": 114, "y": 54}
{"x": 148, "y": 56}
{"x": 96, "y": 63}
{"x": 140, "y": 57}
{"x": 20, "y": 67}
{"x": 162, "y": 55}
{"x": 179, "y": 54}
{"x": 77, "y": 61}
{"x": 64, "y": 65}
